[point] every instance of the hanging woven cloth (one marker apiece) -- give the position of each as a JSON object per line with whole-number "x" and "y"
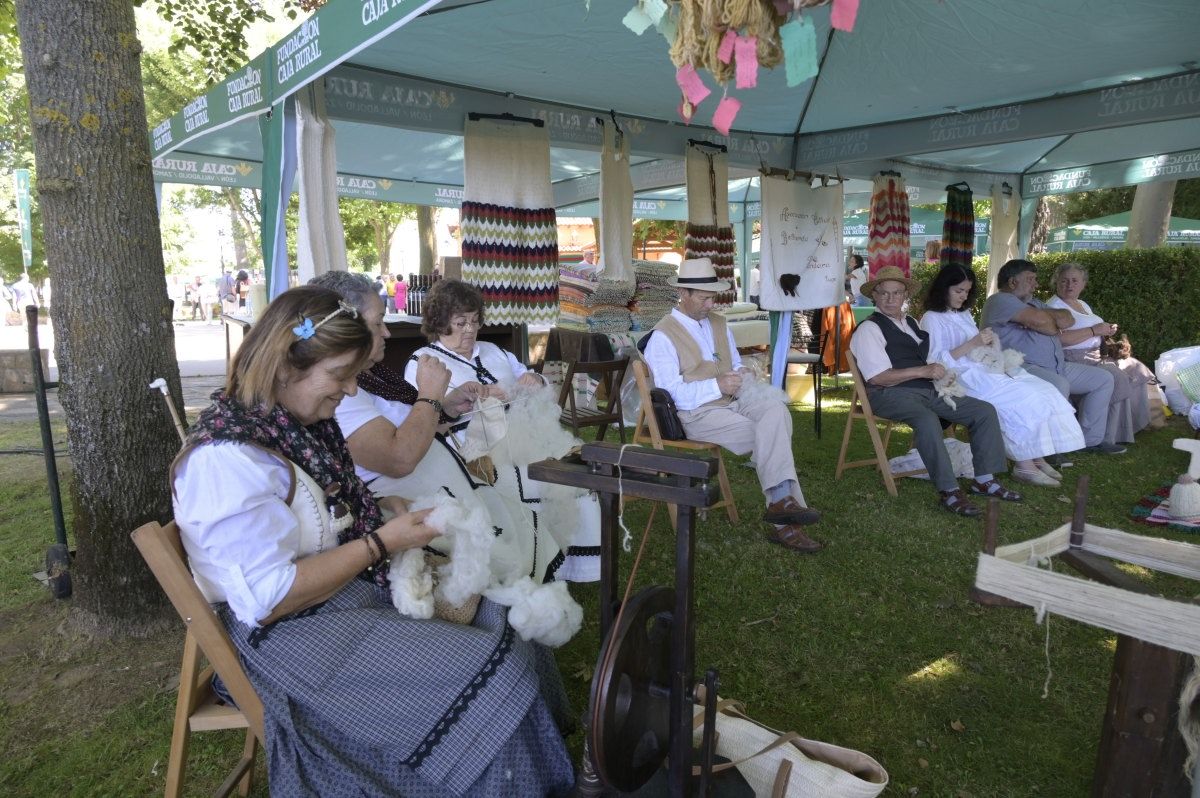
{"x": 509, "y": 228}
{"x": 887, "y": 235}
{"x": 709, "y": 234}
{"x": 616, "y": 207}
{"x": 958, "y": 229}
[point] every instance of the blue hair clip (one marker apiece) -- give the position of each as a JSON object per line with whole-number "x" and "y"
{"x": 305, "y": 330}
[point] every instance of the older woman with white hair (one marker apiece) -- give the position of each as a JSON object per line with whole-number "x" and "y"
{"x": 1129, "y": 409}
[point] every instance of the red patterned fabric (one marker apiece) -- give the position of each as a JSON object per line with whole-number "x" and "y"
{"x": 887, "y": 234}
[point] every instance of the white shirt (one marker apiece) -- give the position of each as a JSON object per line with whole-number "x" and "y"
{"x": 503, "y": 365}
{"x": 870, "y": 347}
{"x": 1085, "y": 318}
{"x": 663, "y": 361}
{"x": 241, "y": 538}
{"x": 356, "y": 411}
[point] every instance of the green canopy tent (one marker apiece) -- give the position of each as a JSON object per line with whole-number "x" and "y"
{"x": 1109, "y": 232}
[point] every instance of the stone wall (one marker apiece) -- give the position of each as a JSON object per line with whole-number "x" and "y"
{"x": 16, "y": 376}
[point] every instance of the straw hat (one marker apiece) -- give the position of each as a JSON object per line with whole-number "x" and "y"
{"x": 883, "y": 275}
{"x": 699, "y": 275}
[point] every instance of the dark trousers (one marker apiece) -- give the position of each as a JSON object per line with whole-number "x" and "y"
{"x": 922, "y": 409}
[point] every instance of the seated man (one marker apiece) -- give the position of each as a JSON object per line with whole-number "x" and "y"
{"x": 1034, "y": 329}
{"x": 692, "y": 356}
{"x": 892, "y": 354}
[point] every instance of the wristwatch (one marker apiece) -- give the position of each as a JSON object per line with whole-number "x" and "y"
{"x": 436, "y": 404}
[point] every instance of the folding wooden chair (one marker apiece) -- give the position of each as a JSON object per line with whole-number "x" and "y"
{"x": 608, "y": 397}
{"x": 646, "y": 433}
{"x": 197, "y": 708}
{"x": 860, "y": 407}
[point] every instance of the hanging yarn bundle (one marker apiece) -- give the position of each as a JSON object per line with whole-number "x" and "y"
{"x": 703, "y": 25}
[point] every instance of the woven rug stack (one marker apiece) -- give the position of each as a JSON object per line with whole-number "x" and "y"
{"x": 574, "y": 290}
{"x": 653, "y": 298}
{"x": 608, "y": 307}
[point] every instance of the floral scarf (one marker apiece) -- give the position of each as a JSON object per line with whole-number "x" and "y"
{"x": 318, "y": 448}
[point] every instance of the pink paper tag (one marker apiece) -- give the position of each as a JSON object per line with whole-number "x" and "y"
{"x": 727, "y": 111}
{"x": 843, "y": 15}
{"x": 725, "y": 49}
{"x": 690, "y": 83}
{"x": 747, "y": 62}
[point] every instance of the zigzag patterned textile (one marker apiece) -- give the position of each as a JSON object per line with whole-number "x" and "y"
{"x": 509, "y": 228}
{"x": 958, "y": 229}
{"x": 709, "y": 234}
{"x": 887, "y": 233}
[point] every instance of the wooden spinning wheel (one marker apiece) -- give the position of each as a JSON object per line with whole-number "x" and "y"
{"x": 630, "y": 702}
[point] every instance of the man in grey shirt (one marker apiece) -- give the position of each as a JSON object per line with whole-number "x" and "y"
{"x": 1032, "y": 328}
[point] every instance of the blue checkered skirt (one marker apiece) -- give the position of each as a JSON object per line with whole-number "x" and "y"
{"x": 360, "y": 700}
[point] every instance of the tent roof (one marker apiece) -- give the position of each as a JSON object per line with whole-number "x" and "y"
{"x": 941, "y": 91}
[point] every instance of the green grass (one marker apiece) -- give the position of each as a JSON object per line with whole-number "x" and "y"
{"x": 871, "y": 643}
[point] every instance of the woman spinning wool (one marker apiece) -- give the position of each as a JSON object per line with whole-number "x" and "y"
{"x": 1129, "y": 409}
{"x": 1035, "y": 419}
{"x": 292, "y": 549}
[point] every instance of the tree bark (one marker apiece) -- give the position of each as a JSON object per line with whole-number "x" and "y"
{"x": 1041, "y": 227}
{"x": 242, "y": 226}
{"x": 383, "y": 244}
{"x": 1151, "y": 215}
{"x": 426, "y": 239}
{"x": 111, "y": 313}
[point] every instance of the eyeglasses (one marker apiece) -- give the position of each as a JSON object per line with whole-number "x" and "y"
{"x": 891, "y": 294}
{"x": 465, "y": 324}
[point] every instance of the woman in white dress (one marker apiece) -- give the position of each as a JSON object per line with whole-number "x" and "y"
{"x": 1129, "y": 408}
{"x": 1034, "y": 417}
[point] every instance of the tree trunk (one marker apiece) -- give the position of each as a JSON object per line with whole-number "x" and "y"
{"x": 383, "y": 244}
{"x": 1151, "y": 215}
{"x": 240, "y": 227}
{"x": 1041, "y": 227}
{"x": 426, "y": 239}
{"x": 111, "y": 313}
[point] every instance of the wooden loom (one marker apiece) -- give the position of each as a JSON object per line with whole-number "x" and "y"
{"x": 1141, "y": 753}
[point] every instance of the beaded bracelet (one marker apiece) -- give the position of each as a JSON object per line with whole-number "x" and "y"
{"x": 383, "y": 555}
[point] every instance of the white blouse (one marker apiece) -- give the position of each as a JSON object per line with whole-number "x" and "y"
{"x": 1085, "y": 318}
{"x": 501, "y": 364}
{"x": 241, "y": 538}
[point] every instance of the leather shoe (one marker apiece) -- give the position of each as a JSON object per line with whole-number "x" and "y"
{"x": 789, "y": 511}
{"x": 793, "y": 537}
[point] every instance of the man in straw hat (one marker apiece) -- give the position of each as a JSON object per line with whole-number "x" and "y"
{"x": 892, "y": 354}
{"x": 692, "y": 356}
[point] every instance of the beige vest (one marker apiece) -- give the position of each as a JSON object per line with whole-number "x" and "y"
{"x": 693, "y": 364}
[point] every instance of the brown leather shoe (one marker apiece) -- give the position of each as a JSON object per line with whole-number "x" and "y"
{"x": 789, "y": 511}
{"x": 793, "y": 537}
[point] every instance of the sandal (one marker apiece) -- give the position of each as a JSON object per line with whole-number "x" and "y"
{"x": 994, "y": 488}
{"x": 957, "y": 502}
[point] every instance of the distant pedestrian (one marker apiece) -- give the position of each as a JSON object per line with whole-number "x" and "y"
{"x": 24, "y": 294}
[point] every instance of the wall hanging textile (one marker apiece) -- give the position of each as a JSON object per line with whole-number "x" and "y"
{"x": 887, "y": 233}
{"x": 801, "y": 265}
{"x": 509, "y": 228}
{"x": 616, "y": 206}
{"x": 958, "y": 228}
{"x": 320, "y": 239}
{"x": 1006, "y": 213}
{"x": 709, "y": 234}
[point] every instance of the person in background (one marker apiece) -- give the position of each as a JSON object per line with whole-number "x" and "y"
{"x": 7, "y": 296}
{"x": 692, "y": 356}
{"x": 241, "y": 287}
{"x": 1034, "y": 329}
{"x": 855, "y": 277}
{"x": 755, "y": 282}
{"x": 24, "y": 294}
{"x": 294, "y": 552}
{"x": 226, "y": 292}
{"x": 401, "y": 296}
{"x": 1129, "y": 408}
{"x": 588, "y": 265}
{"x": 390, "y": 305}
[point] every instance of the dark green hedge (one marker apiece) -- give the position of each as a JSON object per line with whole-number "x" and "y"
{"x": 1152, "y": 294}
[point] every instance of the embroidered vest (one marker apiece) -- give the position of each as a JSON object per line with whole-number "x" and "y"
{"x": 693, "y": 364}
{"x": 902, "y": 350}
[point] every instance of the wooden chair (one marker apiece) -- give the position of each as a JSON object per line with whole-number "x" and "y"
{"x": 646, "y": 433}
{"x": 860, "y": 407}
{"x": 611, "y": 375}
{"x": 197, "y": 708}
